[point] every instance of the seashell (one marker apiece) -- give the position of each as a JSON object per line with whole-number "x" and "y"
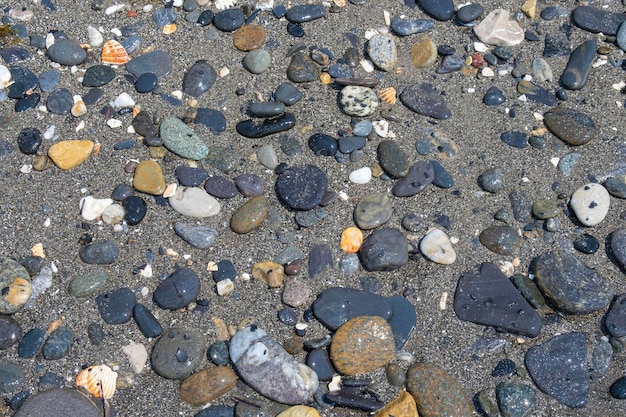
{"x": 169, "y": 29}
{"x": 351, "y": 239}
{"x": 5, "y": 77}
{"x": 98, "y": 380}
{"x": 388, "y": 95}
{"x": 114, "y": 53}
{"x": 225, "y": 4}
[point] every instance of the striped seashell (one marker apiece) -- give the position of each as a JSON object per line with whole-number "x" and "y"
{"x": 388, "y": 95}
{"x": 99, "y": 380}
{"x": 114, "y": 53}
{"x": 225, "y": 4}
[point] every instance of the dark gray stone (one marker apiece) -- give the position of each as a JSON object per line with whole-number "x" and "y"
{"x": 199, "y": 78}
{"x": 135, "y": 209}
{"x": 116, "y": 307}
{"x": 10, "y": 331}
{"x": 252, "y": 128}
{"x": 615, "y": 320}
{"x": 318, "y": 360}
{"x": 597, "y": 20}
{"x": 288, "y": 94}
{"x": 618, "y": 388}
{"x": 336, "y": 305}
{"x": 616, "y": 187}
{"x": 104, "y": 252}
{"x": 384, "y": 250}
{"x": 302, "y": 69}
{"x": 392, "y": 159}
{"x": 405, "y": 27}
{"x": 178, "y": 352}
{"x": 178, "y": 290}
{"x": 266, "y": 108}
{"x": 56, "y": 402}
{"x": 31, "y": 343}
{"x": 425, "y": 100}
{"x": 67, "y": 52}
{"x": 493, "y": 96}
{"x": 229, "y": 20}
{"x": 403, "y": 319}
{"x": 58, "y": 344}
{"x": 469, "y": 13}
{"x": 98, "y": 75}
{"x": 249, "y": 185}
{"x": 29, "y": 140}
{"x": 491, "y": 180}
{"x": 301, "y": 188}
{"x": 320, "y": 258}
{"x": 147, "y": 323}
{"x": 157, "y": 62}
{"x": 322, "y": 144}
{"x": 576, "y": 73}
{"x": 438, "y": 9}
{"x": 420, "y": 175}
{"x": 220, "y": 187}
{"x": 500, "y": 239}
{"x": 60, "y": 101}
{"x": 305, "y": 13}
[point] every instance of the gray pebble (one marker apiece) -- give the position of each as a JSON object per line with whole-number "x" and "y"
{"x": 201, "y": 237}
{"x": 257, "y": 61}
{"x": 178, "y": 352}
{"x": 491, "y": 180}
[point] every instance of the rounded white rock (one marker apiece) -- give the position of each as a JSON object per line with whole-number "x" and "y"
{"x": 194, "y": 202}
{"x": 436, "y": 246}
{"x": 590, "y": 203}
{"x": 91, "y": 208}
{"x": 361, "y": 175}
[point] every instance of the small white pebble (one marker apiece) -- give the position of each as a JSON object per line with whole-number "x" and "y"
{"x": 538, "y": 116}
{"x": 147, "y": 8}
{"x": 49, "y": 132}
{"x": 443, "y": 300}
{"x": 245, "y": 277}
{"x": 343, "y": 195}
{"x": 528, "y": 77}
{"x": 186, "y": 256}
{"x": 113, "y": 9}
{"x": 144, "y": 291}
{"x": 301, "y": 326}
{"x": 599, "y": 63}
{"x": 369, "y": 33}
{"x": 480, "y": 47}
{"x": 487, "y": 72}
{"x": 178, "y": 94}
{"x": 523, "y": 98}
{"x": 387, "y": 17}
{"x": 146, "y": 272}
{"x": 42, "y": 109}
{"x": 123, "y": 100}
{"x": 49, "y": 40}
{"x": 471, "y": 90}
{"x": 618, "y": 86}
{"x": 454, "y": 240}
{"x": 26, "y": 169}
{"x": 367, "y": 65}
{"x": 335, "y": 383}
{"x": 116, "y": 32}
{"x": 114, "y": 123}
{"x": 46, "y": 223}
{"x": 225, "y": 287}
{"x": 54, "y": 267}
{"x": 555, "y": 161}
{"x": 118, "y": 228}
{"x": 224, "y": 71}
{"x": 80, "y": 126}
{"x": 361, "y": 175}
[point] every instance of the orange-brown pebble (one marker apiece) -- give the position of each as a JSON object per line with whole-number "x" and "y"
{"x": 299, "y": 411}
{"x": 361, "y": 345}
{"x": 207, "y": 385}
{"x": 169, "y": 29}
{"x": 131, "y": 13}
{"x": 68, "y": 154}
{"x": 424, "y": 53}
{"x": 249, "y": 37}
{"x": 325, "y": 78}
{"x": 148, "y": 178}
{"x": 401, "y": 406}
{"x": 351, "y": 239}
{"x": 114, "y": 53}
{"x": 270, "y": 273}
{"x": 18, "y": 293}
{"x": 477, "y": 60}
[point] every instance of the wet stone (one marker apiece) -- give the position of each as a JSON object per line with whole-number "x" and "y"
{"x": 440, "y": 10}
{"x": 529, "y": 290}
{"x": 67, "y": 52}
{"x": 98, "y": 75}
{"x": 515, "y": 399}
{"x": 302, "y": 69}
{"x": 500, "y": 239}
{"x": 10, "y": 331}
{"x": 178, "y": 290}
{"x": 147, "y": 323}
{"x": 178, "y": 352}
{"x": 586, "y": 243}
{"x": 93, "y": 96}
{"x": 87, "y": 284}
{"x": 493, "y": 96}
{"x": 104, "y": 252}
{"x": 491, "y": 180}
{"x": 402, "y": 321}
{"x": 320, "y": 258}
{"x": 596, "y": 20}
{"x": 14, "y": 54}
{"x": 392, "y": 159}
{"x": 200, "y": 236}
{"x": 405, "y": 27}
{"x": 384, "y": 250}
{"x": 199, "y": 78}
{"x": 571, "y": 286}
{"x": 205, "y": 18}
{"x": 569, "y": 125}
{"x": 135, "y": 209}
{"x": 157, "y": 62}
{"x": 567, "y": 163}
{"x": 29, "y": 140}
{"x": 164, "y": 16}
{"x": 615, "y": 320}
{"x": 616, "y": 187}
{"x": 559, "y": 368}
{"x": 211, "y": 118}
{"x": 425, "y": 100}
{"x": 372, "y": 211}
{"x": 207, "y": 385}
{"x": 116, "y": 307}
{"x": 31, "y": 343}
{"x": 536, "y": 93}
{"x": 590, "y": 203}
{"x": 618, "y": 388}
{"x": 420, "y": 175}
{"x": 305, "y": 13}
{"x": 336, "y": 305}
{"x": 319, "y": 361}
{"x": 218, "y": 353}
{"x": 490, "y": 299}
{"x": 601, "y": 356}
{"x": 442, "y": 177}
{"x": 254, "y": 129}
{"x": 301, "y": 188}
{"x": 59, "y": 101}
{"x": 322, "y": 144}
{"x": 575, "y": 75}
{"x": 504, "y": 367}
{"x": 229, "y": 20}
{"x": 358, "y": 101}
{"x": 287, "y": 94}
{"x": 181, "y": 139}
{"x": 250, "y": 215}
{"x": 58, "y": 344}
{"x": 146, "y": 82}
{"x": 382, "y": 51}
{"x": 49, "y": 79}
{"x": 220, "y": 187}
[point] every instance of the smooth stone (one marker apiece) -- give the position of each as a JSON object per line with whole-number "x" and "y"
{"x": 567, "y": 162}
{"x": 198, "y": 236}
{"x": 546, "y": 209}
{"x": 178, "y": 352}
{"x": 287, "y": 94}
{"x": 384, "y": 250}
{"x": 490, "y": 299}
{"x": 180, "y": 139}
{"x": 252, "y": 128}
{"x": 615, "y": 319}
{"x": 405, "y": 27}
{"x": 436, "y": 393}
{"x": 322, "y": 144}
{"x": 361, "y": 175}
{"x": 194, "y": 202}
{"x": 301, "y": 188}
{"x": 116, "y": 307}
{"x": 67, "y": 52}
{"x": 349, "y": 144}
{"x": 493, "y": 96}
{"x": 205, "y": 18}
{"x": 515, "y": 399}
{"x": 95, "y": 332}
{"x": 302, "y": 69}
{"x": 620, "y": 37}
{"x": 99, "y": 253}
{"x": 164, "y": 16}
{"x": 266, "y": 109}
{"x": 372, "y": 211}
{"x": 392, "y": 159}
{"x": 207, "y": 385}
{"x": 503, "y": 240}
{"x": 225, "y": 270}
{"x": 149, "y": 178}
{"x": 267, "y": 156}
{"x": 437, "y": 247}
{"x": 590, "y": 203}
{"x": 529, "y": 290}
{"x": 288, "y": 317}
{"x": 68, "y": 154}
{"x": 319, "y": 361}
{"x": 250, "y": 215}
{"x": 576, "y": 73}
{"x": 497, "y": 28}
{"x": 59, "y": 101}
{"x": 358, "y": 101}
{"x": 469, "y": 13}
{"x": 229, "y": 20}
{"x": 157, "y": 62}
{"x": 249, "y": 185}
{"x": 135, "y": 209}
{"x": 425, "y": 100}
{"x": 420, "y": 175}
{"x": 311, "y": 217}
{"x": 56, "y": 402}
{"x": 442, "y": 177}
{"x": 521, "y": 205}
{"x": 618, "y": 388}
{"x": 305, "y": 13}
{"x": 220, "y": 187}
{"x": 11, "y": 55}
{"x": 147, "y": 323}
{"x": 296, "y": 292}
{"x": 556, "y": 44}
{"x": 143, "y": 125}
{"x": 190, "y": 176}
{"x": 216, "y": 411}
{"x": 211, "y": 118}
{"x": 615, "y": 187}
{"x": 559, "y": 368}
{"x": 401, "y": 406}
{"x": 87, "y": 284}
{"x": 98, "y": 75}
{"x": 26, "y": 103}
{"x": 569, "y": 285}
{"x": 569, "y": 125}
{"x": 269, "y": 369}
{"x": 491, "y": 180}
{"x": 257, "y": 61}
{"x": 29, "y": 140}
{"x": 320, "y": 258}
{"x": 218, "y": 353}
{"x": 15, "y": 286}
{"x": 596, "y": 20}
{"x": 10, "y": 331}
{"x": 382, "y": 50}
{"x": 402, "y": 321}
{"x": 504, "y": 367}
{"x": 515, "y": 139}
{"x": 93, "y": 96}
{"x": 49, "y": 79}
{"x": 601, "y": 356}
{"x": 199, "y": 78}
{"x": 249, "y": 37}
{"x": 336, "y": 305}
{"x": 58, "y": 344}
{"x": 361, "y": 345}
{"x": 424, "y": 53}
{"x": 178, "y": 290}
{"x": 542, "y": 72}
{"x": 438, "y": 9}
{"x": 299, "y": 411}
{"x": 586, "y": 243}
{"x": 146, "y": 82}
{"x": 31, "y": 343}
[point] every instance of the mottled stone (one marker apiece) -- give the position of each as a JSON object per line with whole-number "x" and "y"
{"x": 199, "y": 78}
{"x": 569, "y": 125}
{"x": 270, "y": 273}
{"x": 207, "y": 385}
{"x": 10, "y": 331}
{"x": 178, "y": 352}
{"x": 545, "y": 209}
{"x": 401, "y": 406}
{"x": 381, "y": 49}
{"x": 373, "y": 211}
{"x": 596, "y": 20}
{"x": 358, "y": 101}
{"x": 68, "y": 154}
{"x": 424, "y": 53}
{"x": 500, "y": 239}
{"x": 87, "y": 284}
{"x": 302, "y": 69}
{"x": 301, "y": 188}
{"x": 180, "y": 139}
{"x": 249, "y": 37}
{"x": 58, "y": 344}
{"x": 384, "y": 250}
{"x": 497, "y": 28}
{"x": 392, "y": 159}
{"x": 15, "y": 286}
{"x": 515, "y": 399}
{"x": 590, "y": 203}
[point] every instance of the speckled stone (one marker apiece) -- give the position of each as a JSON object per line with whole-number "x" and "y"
{"x": 384, "y": 250}
{"x": 596, "y": 20}
{"x": 250, "y": 215}
{"x": 178, "y": 352}
{"x": 515, "y": 399}
{"x": 157, "y": 62}
{"x": 220, "y": 187}
{"x": 302, "y": 69}
{"x": 358, "y": 101}
{"x": 59, "y": 402}
{"x": 615, "y": 320}
{"x": 436, "y": 393}
{"x": 373, "y": 211}
{"x": 401, "y": 406}
{"x": 98, "y": 253}
{"x": 149, "y": 178}
{"x": 382, "y": 50}
{"x": 392, "y": 159}
{"x": 270, "y": 273}
{"x": 116, "y": 307}
{"x": 180, "y": 139}
{"x": 68, "y": 154}
{"x": 569, "y": 125}
{"x": 31, "y": 343}
{"x": 207, "y": 385}
{"x": 421, "y": 175}
{"x": 178, "y": 290}
{"x": 249, "y": 37}
{"x": 500, "y": 239}
{"x": 87, "y": 284}
{"x": 491, "y": 180}
{"x": 198, "y": 79}
{"x": 15, "y": 286}
{"x": 590, "y": 203}
{"x": 361, "y": 345}
{"x": 301, "y": 188}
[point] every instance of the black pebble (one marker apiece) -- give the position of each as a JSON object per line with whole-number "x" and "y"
{"x": 287, "y": 316}
{"x": 29, "y": 140}
{"x": 229, "y": 20}
{"x": 225, "y": 270}
{"x": 190, "y": 176}
{"x": 96, "y": 334}
{"x": 218, "y": 353}
{"x": 146, "y": 82}
{"x": 586, "y": 243}
{"x": 135, "y": 209}
{"x": 178, "y": 290}
{"x": 116, "y": 307}
{"x": 322, "y": 144}
{"x": 295, "y": 29}
{"x": 58, "y": 343}
{"x": 31, "y": 343}
{"x": 318, "y": 360}
{"x": 220, "y": 187}
{"x": 505, "y": 367}
{"x": 147, "y": 323}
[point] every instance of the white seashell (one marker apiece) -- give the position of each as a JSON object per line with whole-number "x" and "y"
{"x": 381, "y": 127}
{"x": 265, "y": 5}
{"x": 5, "y": 77}
{"x": 49, "y": 132}
{"x": 121, "y": 101}
{"x": 49, "y": 40}
{"x": 91, "y": 208}
{"x": 98, "y": 380}
{"x": 95, "y": 37}
{"x": 225, "y": 4}
{"x": 225, "y": 287}
{"x": 371, "y": 32}
{"x": 114, "y": 9}
{"x": 367, "y": 65}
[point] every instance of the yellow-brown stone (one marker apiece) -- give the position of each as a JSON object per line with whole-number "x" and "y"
{"x": 401, "y": 406}
{"x": 424, "y": 53}
{"x": 530, "y": 8}
{"x": 249, "y": 37}
{"x": 299, "y": 411}
{"x": 362, "y": 344}
{"x": 68, "y": 154}
{"x": 250, "y": 215}
{"x": 207, "y": 385}
{"x": 270, "y": 273}
{"x": 149, "y": 178}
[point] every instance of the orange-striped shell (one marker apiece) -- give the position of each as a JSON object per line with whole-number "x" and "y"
{"x": 388, "y": 95}
{"x": 114, "y": 53}
{"x": 99, "y": 380}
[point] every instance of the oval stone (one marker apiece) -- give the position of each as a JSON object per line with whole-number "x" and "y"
{"x": 178, "y": 290}
{"x": 194, "y": 202}
{"x": 58, "y": 402}
{"x": 301, "y": 188}
{"x": 31, "y": 343}
{"x": 382, "y": 51}
{"x": 147, "y": 323}
{"x": 569, "y": 125}
{"x": 358, "y": 101}
{"x": 181, "y": 139}
{"x": 420, "y": 175}
{"x": 336, "y": 305}
{"x": 199, "y": 78}
{"x": 87, "y": 284}
{"x": 10, "y": 331}
{"x": 392, "y": 159}
{"x": 250, "y": 215}
{"x": 500, "y": 239}
{"x": 372, "y": 211}
{"x": 201, "y": 237}
{"x": 58, "y": 344}
{"x": 384, "y": 250}
{"x": 207, "y": 385}
{"x": 590, "y": 203}
{"x": 178, "y": 352}
{"x": 575, "y": 75}
{"x": 15, "y": 286}
{"x": 67, "y": 52}
{"x": 116, "y": 307}
{"x": 68, "y": 154}
{"x": 99, "y": 253}
{"x": 149, "y": 178}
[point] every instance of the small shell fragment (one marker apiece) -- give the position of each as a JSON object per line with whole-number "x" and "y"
{"x": 99, "y": 380}
{"x": 114, "y": 53}
{"x": 388, "y": 95}
{"x": 442, "y": 300}
{"x": 225, "y": 4}
{"x": 169, "y": 29}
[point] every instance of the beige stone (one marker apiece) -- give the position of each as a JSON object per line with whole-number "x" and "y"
{"x": 530, "y": 8}
{"x": 149, "y": 178}
{"x": 299, "y": 411}
{"x": 497, "y": 28}
{"x": 68, "y": 154}
{"x": 270, "y": 273}
{"x": 424, "y": 53}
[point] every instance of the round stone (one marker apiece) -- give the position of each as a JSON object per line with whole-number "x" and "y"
{"x": 515, "y": 399}
{"x": 249, "y": 185}
{"x": 15, "y": 286}
{"x": 68, "y": 154}
{"x": 373, "y": 210}
{"x": 87, "y": 284}
{"x": 220, "y": 187}
{"x": 207, "y": 385}
{"x": 10, "y": 331}
{"x": 618, "y": 388}
{"x": 586, "y": 243}
{"x": 491, "y": 180}
{"x": 67, "y": 52}
{"x": 257, "y": 61}
{"x": 358, "y": 101}
{"x": 382, "y": 50}
{"x": 436, "y": 246}
{"x": 250, "y": 215}
{"x": 98, "y": 75}
{"x": 177, "y": 352}
{"x": 29, "y": 140}
{"x": 590, "y": 203}
{"x": 249, "y": 37}
{"x": 199, "y": 78}
{"x": 569, "y": 125}
{"x": 546, "y": 209}
{"x": 135, "y": 209}
{"x": 424, "y": 53}
{"x": 149, "y": 178}
{"x": 384, "y": 250}
{"x": 301, "y": 188}
{"x": 178, "y": 290}
{"x": 500, "y": 239}
{"x": 146, "y": 82}
{"x": 229, "y": 20}
{"x": 392, "y": 159}
{"x": 116, "y": 307}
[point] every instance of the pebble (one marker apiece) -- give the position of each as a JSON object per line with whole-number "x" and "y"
{"x": 497, "y": 28}
{"x": 571, "y": 286}
{"x": 99, "y": 253}
{"x": 301, "y": 188}
{"x": 257, "y": 61}
{"x": 436, "y": 393}
{"x": 322, "y": 144}
{"x": 469, "y": 13}
{"x": 349, "y": 144}
{"x": 194, "y": 202}
{"x": 320, "y": 258}
{"x": 198, "y": 236}
{"x": 392, "y": 159}
{"x": 147, "y": 323}
{"x": 420, "y": 175}
{"x": 567, "y": 163}
{"x": 266, "y": 109}
{"x": 49, "y": 79}
{"x": 60, "y": 101}
{"x": 372, "y": 211}
{"x": 545, "y": 209}
{"x": 425, "y": 100}
{"x": 515, "y": 399}
{"x": 404, "y": 27}
{"x": 87, "y": 284}
{"x": 586, "y": 243}
{"x": 270, "y": 273}
{"x": 310, "y": 217}
{"x": 211, "y": 118}
{"x": 116, "y": 307}
{"x": 288, "y": 94}
{"x": 618, "y": 388}
{"x": 10, "y": 332}
{"x": 305, "y": 13}
{"x": 269, "y": 369}
{"x": 220, "y": 187}
{"x": 15, "y": 286}
{"x": 491, "y": 180}
{"x": 424, "y": 53}
{"x": 441, "y": 10}
{"x": 157, "y": 62}
{"x": 177, "y": 290}
{"x": 571, "y": 126}
{"x": 198, "y": 79}
{"x": 505, "y": 367}
{"x": 576, "y": 73}
{"x": 616, "y": 187}
{"x": 249, "y": 185}
{"x": 601, "y": 356}
{"x": 218, "y": 353}
{"x": 135, "y": 210}
{"x": 58, "y": 344}
{"x": 358, "y": 101}
{"x": 617, "y": 244}
{"x": 336, "y": 305}
{"x": 493, "y": 96}
{"x": 180, "y": 139}
{"x": 190, "y": 176}
{"x": 302, "y": 69}
{"x": 383, "y": 52}
{"x": 361, "y": 175}
{"x": 251, "y": 128}
{"x": 149, "y": 178}
{"x": 98, "y": 75}
{"x": 29, "y": 140}
{"x": 490, "y": 299}
{"x": 590, "y": 203}
{"x": 503, "y": 240}
{"x": 615, "y": 320}
{"x": 249, "y": 37}
{"x": 207, "y": 385}
{"x": 403, "y": 405}
{"x": 146, "y": 82}
{"x": 361, "y": 345}
{"x": 229, "y": 20}
{"x": 384, "y": 250}
{"x": 515, "y": 139}
{"x": 319, "y": 361}
{"x": 542, "y": 72}
{"x": 299, "y": 411}
{"x": 178, "y": 352}
{"x": 68, "y": 154}
{"x": 216, "y": 411}
{"x": 58, "y": 402}
{"x": 31, "y": 343}
{"x": 295, "y": 293}
{"x": 436, "y": 246}
{"x": 559, "y": 368}
{"x": 596, "y": 20}
{"x": 250, "y": 215}
{"x": 402, "y": 321}
{"x": 66, "y": 52}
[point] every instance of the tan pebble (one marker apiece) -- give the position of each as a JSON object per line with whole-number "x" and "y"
{"x": 249, "y": 37}
{"x": 299, "y": 411}
{"x": 296, "y": 292}
{"x": 37, "y": 250}
{"x": 96, "y": 149}
{"x": 207, "y": 385}
{"x": 339, "y": 3}
{"x": 530, "y": 8}
{"x": 170, "y": 190}
{"x": 41, "y": 162}
{"x": 18, "y": 293}
{"x": 125, "y": 379}
{"x": 137, "y": 356}
{"x": 401, "y": 406}
{"x": 388, "y": 95}
{"x": 221, "y": 330}
{"x": 114, "y": 53}
{"x": 169, "y": 29}
{"x": 351, "y": 239}
{"x": 250, "y": 215}
{"x": 270, "y": 273}
{"x": 79, "y": 108}
{"x": 540, "y": 131}
{"x": 149, "y": 178}
{"x": 325, "y": 78}
{"x": 377, "y": 171}
{"x": 424, "y": 53}
{"x": 98, "y": 380}
{"x": 68, "y": 154}
{"x": 157, "y": 152}
{"x": 294, "y": 345}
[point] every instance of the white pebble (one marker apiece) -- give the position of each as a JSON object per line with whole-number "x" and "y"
{"x": 5, "y": 77}
{"x": 26, "y": 169}
{"x": 487, "y": 72}
{"x": 361, "y": 175}
{"x": 116, "y": 32}
{"x": 225, "y": 287}
{"x": 95, "y": 37}
{"x": 91, "y": 208}
{"x": 437, "y": 247}
{"x": 367, "y": 65}
{"x": 480, "y": 47}
{"x": 113, "y": 9}
{"x": 123, "y": 100}
{"x": 113, "y": 123}
{"x": 590, "y": 203}
{"x": 381, "y": 127}
{"x": 113, "y": 214}
{"x": 137, "y": 356}
{"x": 49, "y": 133}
